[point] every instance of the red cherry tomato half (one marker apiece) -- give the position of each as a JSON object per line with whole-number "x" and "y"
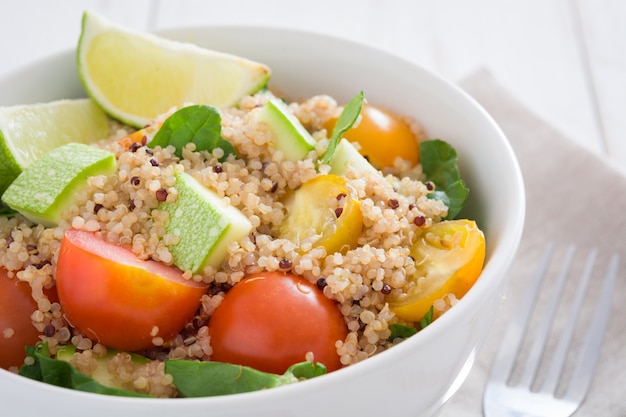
{"x": 16, "y": 329}
{"x": 117, "y": 299}
{"x": 269, "y": 321}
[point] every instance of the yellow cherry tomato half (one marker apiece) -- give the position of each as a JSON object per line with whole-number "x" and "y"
{"x": 119, "y": 300}
{"x": 324, "y": 206}
{"x": 449, "y": 257}
{"x": 383, "y": 137}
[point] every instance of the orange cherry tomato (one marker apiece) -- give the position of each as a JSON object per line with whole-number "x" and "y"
{"x": 140, "y": 137}
{"x": 383, "y": 137}
{"x": 327, "y": 205}
{"x": 269, "y": 321}
{"x": 117, "y": 299}
{"x": 449, "y": 257}
{"x": 16, "y": 328}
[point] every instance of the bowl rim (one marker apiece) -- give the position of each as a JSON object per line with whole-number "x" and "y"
{"x": 500, "y": 258}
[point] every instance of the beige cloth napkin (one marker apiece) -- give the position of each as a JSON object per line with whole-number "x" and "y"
{"x": 573, "y": 196}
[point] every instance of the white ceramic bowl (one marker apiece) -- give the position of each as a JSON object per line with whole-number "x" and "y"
{"x": 419, "y": 375}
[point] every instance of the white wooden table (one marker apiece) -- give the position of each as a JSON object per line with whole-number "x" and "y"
{"x": 565, "y": 59}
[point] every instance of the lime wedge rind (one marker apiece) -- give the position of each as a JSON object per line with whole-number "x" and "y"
{"x": 29, "y": 131}
{"x": 136, "y": 76}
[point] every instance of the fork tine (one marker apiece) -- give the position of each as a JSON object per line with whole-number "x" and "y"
{"x": 590, "y": 352}
{"x": 565, "y": 339}
{"x": 511, "y": 343}
{"x": 540, "y": 340}
{"x": 504, "y": 399}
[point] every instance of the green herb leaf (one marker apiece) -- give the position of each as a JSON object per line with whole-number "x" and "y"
{"x": 199, "y": 124}
{"x": 6, "y": 211}
{"x": 62, "y": 374}
{"x": 206, "y": 379}
{"x": 307, "y": 370}
{"x": 33, "y": 371}
{"x": 400, "y": 331}
{"x": 439, "y": 162}
{"x": 346, "y": 119}
{"x": 428, "y": 317}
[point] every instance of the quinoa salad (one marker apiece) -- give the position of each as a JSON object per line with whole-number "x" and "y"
{"x": 368, "y": 275}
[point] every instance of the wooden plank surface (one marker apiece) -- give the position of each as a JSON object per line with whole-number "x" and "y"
{"x": 32, "y": 29}
{"x": 603, "y": 37}
{"x": 530, "y": 47}
{"x": 564, "y": 59}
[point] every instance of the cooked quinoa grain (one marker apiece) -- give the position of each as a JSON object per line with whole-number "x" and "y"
{"x": 123, "y": 209}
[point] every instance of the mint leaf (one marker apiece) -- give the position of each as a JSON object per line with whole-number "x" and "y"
{"x": 439, "y": 163}
{"x": 206, "y": 379}
{"x": 346, "y": 119}
{"x": 199, "y": 124}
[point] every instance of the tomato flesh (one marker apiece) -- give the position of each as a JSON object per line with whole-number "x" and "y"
{"x": 329, "y": 206}
{"x": 16, "y": 328}
{"x": 119, "y": 300}
{"x": 449, "y": 257}
{"x": 269, "y": 321}
{"x": 382, "y": 137}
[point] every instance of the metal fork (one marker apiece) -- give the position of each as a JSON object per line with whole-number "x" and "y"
{"x": 501, "y": 398}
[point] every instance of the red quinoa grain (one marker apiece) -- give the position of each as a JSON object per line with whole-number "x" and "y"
{"x": 256, "y": 183}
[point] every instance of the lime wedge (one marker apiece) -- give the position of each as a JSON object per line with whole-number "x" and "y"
{"x": 136, "y": 76}
{"x": 29, "y": 131}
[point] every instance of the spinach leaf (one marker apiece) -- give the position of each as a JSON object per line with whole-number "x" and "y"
{"x": 346, "y": 119}
{"x": 205, "y": 379}
{"x": 6, "y": 211}
{"x": 306, "y": 370}
{"x": 199, "y": 124}
{"x": 400, "y": 331}
{"x": 439, "y": 162}
{"x": 62, "y": 374}
{"x": 428, "y": 317}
